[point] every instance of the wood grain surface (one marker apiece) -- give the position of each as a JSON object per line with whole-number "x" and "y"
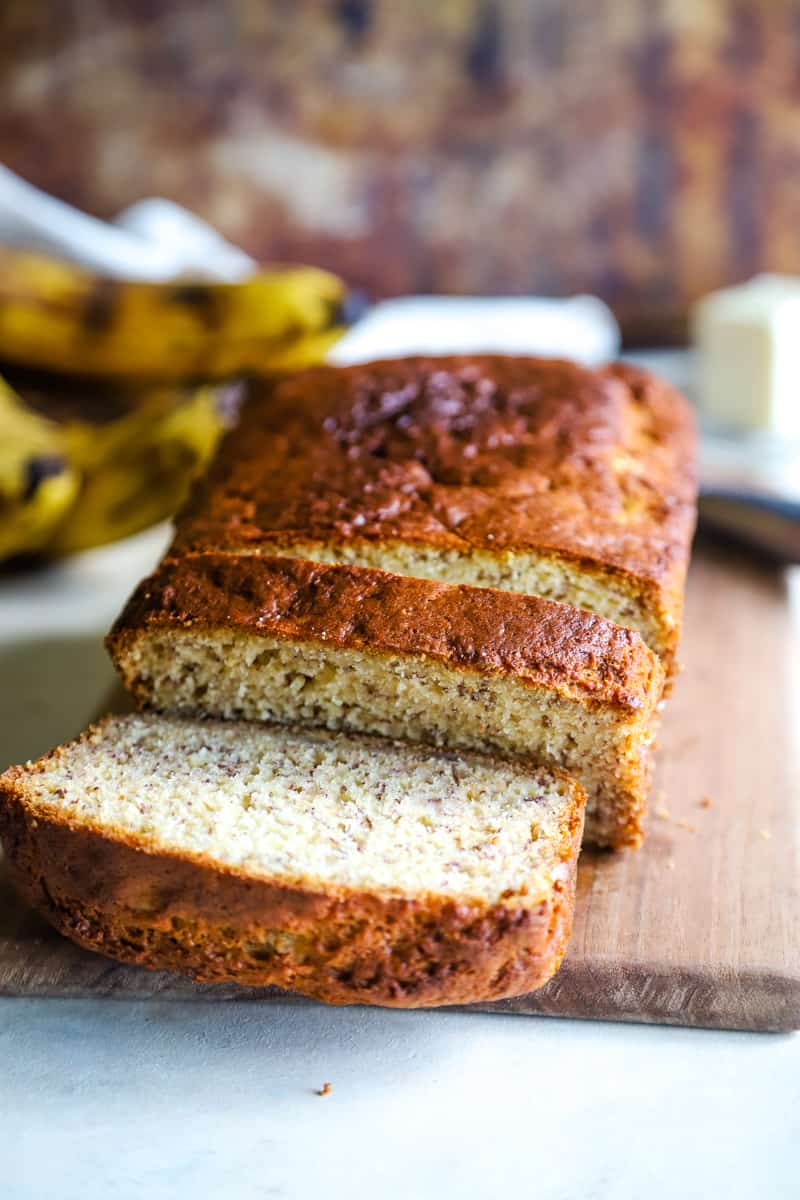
{"x": 701, "y": 926}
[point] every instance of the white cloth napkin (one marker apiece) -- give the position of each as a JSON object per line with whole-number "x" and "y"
{"x": 580, "y": 327}
{"x": 153, "y": 240}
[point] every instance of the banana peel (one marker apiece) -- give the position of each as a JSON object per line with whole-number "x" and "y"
{"x": 57, "y": 316}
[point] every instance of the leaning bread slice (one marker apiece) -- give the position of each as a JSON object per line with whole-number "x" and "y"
{"x": 349, "y": 868}
{"x": 353, "y": 648}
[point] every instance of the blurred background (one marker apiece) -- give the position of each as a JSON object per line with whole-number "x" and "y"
{"x": 646, "y": 151}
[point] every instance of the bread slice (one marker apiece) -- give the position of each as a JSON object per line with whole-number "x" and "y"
{"x": 522, "y": 474}
{"x": 352, "y": 869}
{"x": 352, "y": 648}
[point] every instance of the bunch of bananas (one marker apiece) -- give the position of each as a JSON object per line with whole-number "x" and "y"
{"x": 116, "y": 401}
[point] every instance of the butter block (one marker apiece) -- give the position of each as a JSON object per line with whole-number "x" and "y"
{"x": 748, "y": 343}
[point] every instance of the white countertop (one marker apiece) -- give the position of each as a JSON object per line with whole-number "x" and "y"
{"x": 162, "y": 1099}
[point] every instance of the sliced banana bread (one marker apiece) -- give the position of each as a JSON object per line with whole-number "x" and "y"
{"x": 352, "y": 648}
{"x": 523, "y": 474}
{"x": 350, "y": 868}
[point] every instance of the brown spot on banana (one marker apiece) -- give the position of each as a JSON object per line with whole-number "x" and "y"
{"x": 201, "y": 300}
{"x": 100, "y": 306}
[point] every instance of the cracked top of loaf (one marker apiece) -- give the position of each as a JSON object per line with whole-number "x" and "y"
{"x": 418, "y": 464}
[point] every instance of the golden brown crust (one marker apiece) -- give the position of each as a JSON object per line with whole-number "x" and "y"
{"x": 566, "y": 650}
{"x": 117, "y": 895}
{"x": 470, "y": 453}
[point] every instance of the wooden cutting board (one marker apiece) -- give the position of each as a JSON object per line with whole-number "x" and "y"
{"x": 701, "y": 926}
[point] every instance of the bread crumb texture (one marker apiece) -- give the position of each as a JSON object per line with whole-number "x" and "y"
{"x": 312, "y": 809}
{"x": 234, "y": 675}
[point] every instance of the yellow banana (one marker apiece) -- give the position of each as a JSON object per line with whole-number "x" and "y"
{"x": 112, "y": 461}
{"x": 137, "y": 469}
{"x": 37, "y": 483}
{"x": 56, "y": 316}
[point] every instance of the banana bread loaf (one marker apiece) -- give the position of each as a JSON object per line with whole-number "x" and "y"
{"x": 347, "y": 647}
{"x": 522, "y": 474}
{"x": 349, "y": 868}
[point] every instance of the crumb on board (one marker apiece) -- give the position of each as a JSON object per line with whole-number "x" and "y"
{"x": 706, "y": 802}
{"x": 325, "y": 1090}
{"x": 661, "y": 811}
{"x": 765, "y": 834}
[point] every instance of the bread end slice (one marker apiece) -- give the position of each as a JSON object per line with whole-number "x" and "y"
{"x": 352, "y": 869}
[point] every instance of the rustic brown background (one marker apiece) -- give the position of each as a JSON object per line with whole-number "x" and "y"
{"x": 644, "y": 150}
